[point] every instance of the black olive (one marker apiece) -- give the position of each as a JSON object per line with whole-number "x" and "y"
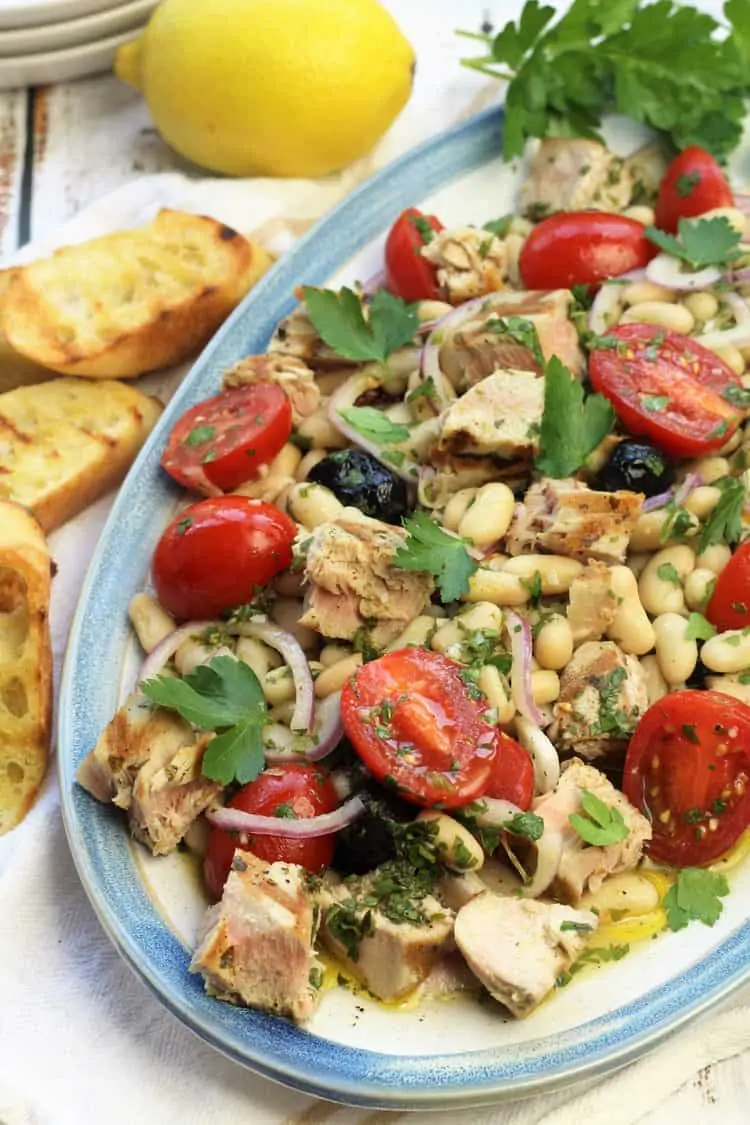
{"x": 370, "y": 839}
{"x": 359, "y": 480}
{"x": 636, "y": 466}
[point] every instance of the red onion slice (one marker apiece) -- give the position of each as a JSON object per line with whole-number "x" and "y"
{"x": 676, "y": 496}
{"x": 329, "y": 730}
{"x": 652, "y": 503}
{"x": 304, "y": 828}
{"x": 167, "y": 647}
{"x": 521, "y": 650}
{"x": 608, "y": 303}
{"x": 543, "y": 754}
{"x": 548, "y": 848}
{"x": 303, "y": 715}
{"x": 666, "y": 271}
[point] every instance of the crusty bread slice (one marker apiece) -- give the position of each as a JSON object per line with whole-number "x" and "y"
{"x": 130, "y": 302}
{"x": 25, "y": 661}
{"x": 15, "y": 369}
{"x": 67, "y": 442}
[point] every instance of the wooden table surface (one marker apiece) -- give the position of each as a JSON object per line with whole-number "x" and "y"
{"x": 62, "y": 147}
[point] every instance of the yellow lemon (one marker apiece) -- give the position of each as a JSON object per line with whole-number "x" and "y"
{"x": 271, "y": 87}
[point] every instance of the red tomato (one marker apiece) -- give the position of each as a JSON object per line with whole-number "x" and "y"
{"x": 692, "y": 184}
{"x": 729, "y": 607}
{"x": 688, "y": 769}
{"x": 229, "y": 437}
{"x": 214, "y": 553}
{"x": 408, "y": 274}
{"x": 512, "y": 777}
{"x": 582, "y": 248}
{"x": 294, "y": 789}
{"x": 666, "y": 387}
{"x": 410, "y": 718}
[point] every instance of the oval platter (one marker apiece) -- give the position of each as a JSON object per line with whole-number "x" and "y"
{"x": 442, "y": 1054}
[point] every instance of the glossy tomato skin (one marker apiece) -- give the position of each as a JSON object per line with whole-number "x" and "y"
{"x": 582, "y": 248}
{"x": 667, "y": 387}
{"x": 410, "y": 718}
{"x": 408, "y": 275}
{"x": 512, "y": 776}
{"x": 226, "y": 440}
{"x": 729, "y": 605}
{"x": 692, "y": 184}
{"x": 688, "y": 768}
{"x": 214, "y": 553}
{"x": 300, "y": 789}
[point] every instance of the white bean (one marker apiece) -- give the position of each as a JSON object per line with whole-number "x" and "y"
{"x": 417, "y": 632}
{"x": 457, "y": 506}
{"x": 710, "y": 468}
{"x": 190, "y": 654}
{"x": 545, "y": 686}
{"x": 729, "y": 685}
{"x": 647, "y": 533}
{"x": 714, "y": 558}
{"x": 556, "y": 572}
{"x": 458, "y": 849}
{"x": 492, "y": 685}
{"x": 640, "y": 292}
{"x": 698, "y": 588}
{"x": 703, "y": 306}
{"x": 333, "y": 678}
{"x": 278, "y": 686}
{"x": 676, "y": 655}
{"x": 308, "y": 462}
{"x": 482, "y": 615}
{"x": 660, "y": 593}
{"x": 727, "y": 652}
{"x": 151, "y": 622}
{"x": 257, "y": 656}
{"x": 498, "y": 587}
{"x": 656, "y": 686}
{"x": 274, "y": 476}
{"x": 673, "y": 318}
{"x": 332, "y": 653}
{"x": 312, "y": 504}
{"x": 553, "y": 646}
{"x": 630, "y": 628}
{"x": 489, "y": 517}
{"x": 628, "y": 892}
{"x": 736, "y": 218}
{"x": 733, "y": 358}
{"x": 702, "y": 501}
{"x": 321, "y": 432}
{"x": 641, "y": 214}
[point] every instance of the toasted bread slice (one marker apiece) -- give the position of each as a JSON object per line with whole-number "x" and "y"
{"x": 130, "y": 302}
{"x": 67, "y": 442}
{"x": 15, "y": 369}
{"x": 25, "y": 661}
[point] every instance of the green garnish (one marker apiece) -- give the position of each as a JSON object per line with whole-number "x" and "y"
{"x": 374, "y": 425}
{"x": 339, "y": 321}
{"x": 724, "y": 525}
{"x": 602, "y": 824}
{"x": 571, "y": 426}
{"x": 700, "y": 242}
{"x": 695, "y": 897}
{"x": 698, "y": 628}
{"x": 668, "y": 573}
{"x": 430, "y": 549}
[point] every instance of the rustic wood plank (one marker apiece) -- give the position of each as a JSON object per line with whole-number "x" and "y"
{"x": 12, "y": 147}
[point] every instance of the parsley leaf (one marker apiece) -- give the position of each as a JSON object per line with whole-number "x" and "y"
{"x": 687, "y": 183}
{"x": 655, "y": 403}
{"x": 224, "y": 696}
{"x": 499, "y": 227}
{"x": 695, "y": 897}
{"x": 430, "y": 549}
{"x": 571, "y": 427}
{"x": 698, "y": 629}
{"x": 701, "y": 242}
{"x": 525, "y": 824}
{"x": 602, "y": 824}
{"x": 668, "y": 573}
{"x": 725, "y": 522}
{"x": 374, "y": 425}
{"x": 521, "y": 330}
{"x": 339, "y": 320}
{"x": 738, "y": 396}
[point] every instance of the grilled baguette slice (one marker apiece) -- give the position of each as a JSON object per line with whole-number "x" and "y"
{"x": 131, "y": 302}
{"x": 67, "y": 442}
{"x": 15, "y": 369}
{"x": 25, "y": 661}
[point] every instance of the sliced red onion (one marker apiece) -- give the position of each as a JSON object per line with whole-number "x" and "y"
{"x": 329, "y": 730}
{"x": 377, "y": 281}
{"x": 543, "y": 754}
{"x": 738, "y": 306}
{"x": 303, "y": 828}
{"x": 742, "y": 202}
{"x": 608, "y": 303}
{"x": 521, "y": 650}
{"x": 667, "y": 271}
{"x": 683, "y": 490}
{"x": 303, "y": 715}
{"x": 741, "y": 276}
{"x": 167, "y": 647}
{"x": 548, "y": 848}
{"x": 652, "y": 503}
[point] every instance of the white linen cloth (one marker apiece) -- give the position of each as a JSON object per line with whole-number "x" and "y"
{"x": 81, "y": 1040}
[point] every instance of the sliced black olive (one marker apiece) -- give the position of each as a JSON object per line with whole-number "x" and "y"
{"x": 637, "y": 466}
{"x": 359, "y": 480}
{"x": 370, "y": 840}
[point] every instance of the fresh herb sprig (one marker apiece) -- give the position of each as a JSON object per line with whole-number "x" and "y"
{"x": 572, "y": 424}
{"x": 724, "y": 525}
{"x": 699, "y": 243}
{"x": 339, "y": 320}
{"x": 601, "y": 825}
{"x": 374, "y": 425}
{"x": 695, "y": 897}
{"x": 430, "y": 549}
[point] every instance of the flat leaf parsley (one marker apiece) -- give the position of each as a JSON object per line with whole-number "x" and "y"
{"x": 430, "y": 549}
{"x": 374, "y": 425}
{"x": 695, "y": 897}
{"x": 572, "y": 426}
{"x": 699, "y": 243}
{"x": 601, "y": 825}
{"x": 339, "y": 320}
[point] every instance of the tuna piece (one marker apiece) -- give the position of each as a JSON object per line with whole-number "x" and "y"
{"x": 500, "y": 416}
{"x": 293, "y": 376}
{"x": 567, "y": 518}
{"x": 593, "y": 603}
{"x": 575, "y": 174}
{"x": 470, "y": 262}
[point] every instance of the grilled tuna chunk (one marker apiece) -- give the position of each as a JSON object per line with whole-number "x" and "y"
{"x": 469, "y": 262}
{"x": 567, "y": 518}
{"x": 500, "y": 416}
{"x": 575, "y": 174}
{"x": 293, "y": 376}
{"x": 593, "y": 603}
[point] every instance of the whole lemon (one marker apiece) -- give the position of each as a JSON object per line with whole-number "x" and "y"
{"x": 271, "y": 87}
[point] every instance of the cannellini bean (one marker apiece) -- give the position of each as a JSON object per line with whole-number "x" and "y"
{"x": 646, "y": 535}
{"x": 545, "y": 685}
{"x": 447, "y": 638}
{"x": 656, "y": 686}
{"x": 702, "y": 501}
{"x": 556, "y": 572}
{"x": 312, "y": 504}
{"x": 257, "y": 656}
{"x": 492, "y": 685}
{"x": 630, "y": 628}
{"x": 417, "y": 632}
{"x": 553, "y": 646}
{"x": 733, "y": 358}
{"x": 190, "y": 654}
{"x": 703, "y": 306}
{"x": 274, "y": 476}
{"x": 647, "y": 291}
{"x": 277, "y": 736}
{"x": 513, "y": 246}
{"x": 734, "y": 442}
{"x": 286, "y": 612}
{"x": 151, "y": 622}
{"x": 730, "y": 685}
{"x": 659, "y": 593}
{"x": 482, "y": 615}
{"x": 727, "y": 652}
{"x": 699, "y": 585}
{"x": 432, "y": 310}
{"x": 641, "y": 214}
{"x": 714, "y": 558}
{"x": 458, "y": 849}
{"x": 638, "y": 561}
{"x": 457, "y": 506}
{"x": 710, "y": 468}
{"x": 330, "y": 381}
{"x": 498, "y": 587}
{"x": 676, "y": 655}
{"x": 334, "y": 677}
{"x": 673, "y": 318}
{"x": 321, "y": 432}
{"x": 519, "y": 225}
{"x": 489, "y": 517}
{"x": 332, "y": 653}
{"x": 308, "y": 462}
{"x": 278, "y": 686}
{"x": 400, "y": 413}
{"x": 628, "y": 892}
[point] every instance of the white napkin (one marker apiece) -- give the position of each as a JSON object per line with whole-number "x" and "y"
{"x": 80, "y": 1038}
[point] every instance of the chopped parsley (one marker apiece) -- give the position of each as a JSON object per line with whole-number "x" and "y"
{"x": 339, "y": 320}
{"x": 724, "y": 524}
{"x": 655, "y": 404}
{"x": 601, "y": 825}
{"x": 687, "y": 183}
{"x": 374, "y": 425}
{"x": 423, "y": 228}
{"x": 200, "y": 435}
{"x": 522, "y": 331}
{"x": 598, "y": 955}
{"x": 698, "y": 628}
{"x": 499, "y": 227}
{"x": 668, "y": 573}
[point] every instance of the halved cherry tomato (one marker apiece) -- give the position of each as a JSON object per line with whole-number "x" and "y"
{"x": 285, "y": 791}
{"x": 214, "y": 553}
{"x": 512, "y": 776}
{"x": 667, "y": 387}
{"x": 582, "y": 248}
{"x": 228, "y": 438}
{"x": 409, "y": 275}
{"x": 692, "y": 184}
{"x": 413, "y": 723}
{"x": 688, "y": 769}
{"x": 729, "y": 606}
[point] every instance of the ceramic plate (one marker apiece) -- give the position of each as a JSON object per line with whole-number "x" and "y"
{"x": 31, "y": 13}
{"x": 62, "y": 66}
{"x": 442, "y": 1054}
{"x": 75, "y": 32}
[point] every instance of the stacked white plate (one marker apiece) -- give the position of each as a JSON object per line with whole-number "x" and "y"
{"x": 43, "y": 41}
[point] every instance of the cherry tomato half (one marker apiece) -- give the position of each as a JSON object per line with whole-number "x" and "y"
{"x": 512, "y": 776}
{"x": 666, "y": 387}
{"x": 228, "y": 438}
{"x": 285, "y": 791}
{"x": 408, "y": 274}
{"x": 729, "y": 606}
{"x": 692, "y": 184}
{"x": 582, "y": 248}
{"x": 688, "y": 769}
{"x": 413, "y": 723}
{"x": 215, "y": 552}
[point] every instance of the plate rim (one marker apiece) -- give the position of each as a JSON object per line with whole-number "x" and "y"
{"x": 329, "y": 1069}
